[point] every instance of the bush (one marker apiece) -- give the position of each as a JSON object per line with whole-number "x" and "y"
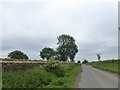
{"x": 54, "y": 67}
{"x": 59, "y": 82}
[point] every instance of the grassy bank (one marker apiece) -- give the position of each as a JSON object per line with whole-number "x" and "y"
{"x": 108, "y": 65}
{"x": 38, "y": 77}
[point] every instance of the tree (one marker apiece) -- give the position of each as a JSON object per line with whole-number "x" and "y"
{"x": 62, "y": 53}
{"x": 17, "y": 55}
{"x": 57, "y": 55}
{"x": 72, "y": 50}
{"x": 67, "y": 47}
{"x": 65, "y": 39}
{"x": 85, "y": 61}
{"x": 47, "y": 53}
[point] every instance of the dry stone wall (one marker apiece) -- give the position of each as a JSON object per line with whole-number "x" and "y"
{"x": 18, "y": 65}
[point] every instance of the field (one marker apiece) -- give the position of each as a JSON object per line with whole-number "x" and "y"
{"x": 107, "y": 65}
{"x": 38, "y": 77}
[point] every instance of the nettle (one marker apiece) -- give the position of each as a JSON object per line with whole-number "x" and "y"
{"x": 55, "y": 67}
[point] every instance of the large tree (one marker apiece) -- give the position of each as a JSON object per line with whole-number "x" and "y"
{"x": 16, "y": 54}
{"x": 72, "y": 50}
{"x": 47, "y": 53}
{"x": 57, "y": 55}
{"x": 67, "y": 47}
{"x": 62, "y": 52}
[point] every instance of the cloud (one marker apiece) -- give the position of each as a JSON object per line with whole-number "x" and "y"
{"x": 33, "y": 25}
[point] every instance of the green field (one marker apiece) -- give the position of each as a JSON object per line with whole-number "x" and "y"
{"x": 107, "y": 65}
{"x": 38, "y": 77}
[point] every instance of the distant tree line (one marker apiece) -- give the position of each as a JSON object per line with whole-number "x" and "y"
{"x": 67, "y": 49}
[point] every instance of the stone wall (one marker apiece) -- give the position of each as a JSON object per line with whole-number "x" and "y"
{"x": 19, "y": 65}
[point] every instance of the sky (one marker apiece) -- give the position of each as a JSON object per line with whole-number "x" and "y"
{"x": 31, "y": 25}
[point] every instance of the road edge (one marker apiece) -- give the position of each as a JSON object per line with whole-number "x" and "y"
{"x": 78, "y": 79}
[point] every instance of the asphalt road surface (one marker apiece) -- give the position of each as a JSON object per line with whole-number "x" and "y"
{"x": 95, "y": 78}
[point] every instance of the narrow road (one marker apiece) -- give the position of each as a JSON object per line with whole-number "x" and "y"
{"x": 95, "y": 78}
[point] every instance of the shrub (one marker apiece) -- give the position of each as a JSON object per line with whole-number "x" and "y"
{"x": 59, "y": 82}
{"x": 54, "y": 67}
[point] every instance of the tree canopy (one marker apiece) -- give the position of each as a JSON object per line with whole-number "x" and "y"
{"x": 67, "y": 47}
{"x": 65, "y": 39}
{"x": 17, "y": 55}
{"x": 47, "y": 53}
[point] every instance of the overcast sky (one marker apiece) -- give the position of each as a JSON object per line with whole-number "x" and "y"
{"x": 31, "y": 25}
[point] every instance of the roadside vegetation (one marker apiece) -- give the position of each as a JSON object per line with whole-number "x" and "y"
{"x": 107, "y": 65}
{"x": 51, "y": 75}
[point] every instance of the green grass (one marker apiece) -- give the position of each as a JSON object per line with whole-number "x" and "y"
{"x": 108, "y": 65}
{"x": 0, "y": 84}
{"x": 39, "y": 78}
{"x": 71, "y": 75}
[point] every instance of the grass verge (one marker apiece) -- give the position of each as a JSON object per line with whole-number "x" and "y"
{"x": 108, "y": 65}
{"x": 38, "y": 77}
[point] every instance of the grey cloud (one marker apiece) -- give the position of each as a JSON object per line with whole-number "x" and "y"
{"x": 33, "y": 26}
{"x": 27, "y": 43}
